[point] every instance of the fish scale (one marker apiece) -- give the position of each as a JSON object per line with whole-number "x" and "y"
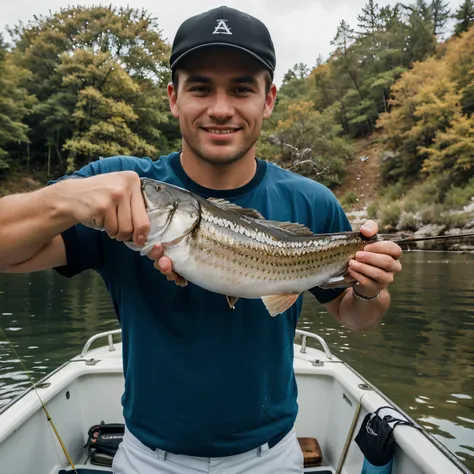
{"x": 230, "y": 259}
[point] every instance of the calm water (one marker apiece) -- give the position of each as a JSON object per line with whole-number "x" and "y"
{"x": 422, "y": 356}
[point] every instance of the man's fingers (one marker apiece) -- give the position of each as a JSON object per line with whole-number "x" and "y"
{"x": 369, "y": 228}
{"x": 111, "y": 222}
{"x": 125, "y": 223}
{"x": 141, "y": 221}
{"x": 385, "y": 247}
{"x": 165, "y": 266}
{"x": 365, "y": 281}
{"x": 376, "y": 274}
{"x": 156, "y": 252}
{"x": 383, "y": 261}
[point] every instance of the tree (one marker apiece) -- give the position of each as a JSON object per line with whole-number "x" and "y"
{"x": 453, "y": 150}
{"x": 15, "y": 104}
{"x": 83, "y": 58}
{"x": 464, "y": 16}
{"x": 459, "y": 59}
{"x": 370, "y": 21}
{"x": 309, "y": 143}
{"x": 424, "y": 102}
{"x": 421, "y": 42}
{"x": 294, "y": 81}
{"x": 440, "y": 15}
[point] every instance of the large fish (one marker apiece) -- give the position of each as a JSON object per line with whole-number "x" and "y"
{"x": 236, "y": 252}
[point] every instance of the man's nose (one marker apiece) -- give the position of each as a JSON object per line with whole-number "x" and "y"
{"x": 221, "y": 107}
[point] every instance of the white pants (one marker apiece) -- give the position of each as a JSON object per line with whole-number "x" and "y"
{"x": 285, "y": 457}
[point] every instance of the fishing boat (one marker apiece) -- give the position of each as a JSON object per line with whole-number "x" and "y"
{"x": 333, "y": 402}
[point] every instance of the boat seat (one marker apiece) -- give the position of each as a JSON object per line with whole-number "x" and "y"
{"x": 313, "y": 456}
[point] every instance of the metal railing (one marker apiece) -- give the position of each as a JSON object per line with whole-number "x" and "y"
{"x": 306, "y": 334}
{"x": 108, "y": 334}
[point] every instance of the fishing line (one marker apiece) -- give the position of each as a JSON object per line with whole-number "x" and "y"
{"x": 48, "y": 417}
{"x": 435, "y": 237}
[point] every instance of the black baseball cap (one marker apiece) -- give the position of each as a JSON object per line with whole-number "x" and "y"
{"x": 227, "y": 27}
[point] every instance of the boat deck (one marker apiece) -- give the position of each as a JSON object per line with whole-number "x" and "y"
{"x": 333, "y": 399}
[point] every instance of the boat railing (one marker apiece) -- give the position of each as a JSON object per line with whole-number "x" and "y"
{"x": 108, "y": 334}
{"x": 304, "y": 336}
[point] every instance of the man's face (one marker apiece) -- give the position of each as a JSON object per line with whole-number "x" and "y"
{"x": 221, "y": 103}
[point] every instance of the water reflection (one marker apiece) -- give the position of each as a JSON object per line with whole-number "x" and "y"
{"x": 422, "y": 355}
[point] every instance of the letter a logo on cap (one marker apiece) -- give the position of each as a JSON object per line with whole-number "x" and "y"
{"x": 221, "y": 28}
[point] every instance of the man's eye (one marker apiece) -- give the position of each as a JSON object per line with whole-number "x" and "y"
{"x": 242, "y": 90}
{"x": 200, "y": 89}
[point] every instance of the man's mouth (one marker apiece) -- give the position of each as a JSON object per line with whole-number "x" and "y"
{"x": 221, "y": 131}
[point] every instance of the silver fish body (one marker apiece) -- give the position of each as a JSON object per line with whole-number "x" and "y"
{"x": 235, "y": 252}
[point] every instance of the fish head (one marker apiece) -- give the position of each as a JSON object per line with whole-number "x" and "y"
{"x": 173, "y": 211}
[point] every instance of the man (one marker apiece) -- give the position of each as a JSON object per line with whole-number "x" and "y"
{"x": 207, "y": 389}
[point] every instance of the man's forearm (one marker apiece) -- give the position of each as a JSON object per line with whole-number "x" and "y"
{"x": 361, "y": 315}
{"x": 30, "y": 221}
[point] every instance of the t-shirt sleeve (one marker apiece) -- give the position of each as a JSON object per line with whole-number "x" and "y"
{"x": 83, "y": 244}
{"x": 336, "y": 221}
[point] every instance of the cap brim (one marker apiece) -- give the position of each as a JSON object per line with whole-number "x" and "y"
{"x": 227, "y": 45}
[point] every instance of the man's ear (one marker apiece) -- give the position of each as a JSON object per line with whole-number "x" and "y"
{"x": 173, "y": 97}
{"x": 270, "y": 102}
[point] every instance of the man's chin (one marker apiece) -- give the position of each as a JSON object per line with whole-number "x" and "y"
{"x": 222, "y": 157}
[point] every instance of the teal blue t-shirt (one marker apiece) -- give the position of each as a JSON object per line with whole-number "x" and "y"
{"x": 201, "y": 379}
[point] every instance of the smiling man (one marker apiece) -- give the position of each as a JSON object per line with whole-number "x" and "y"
{"x": 207, "y": 388}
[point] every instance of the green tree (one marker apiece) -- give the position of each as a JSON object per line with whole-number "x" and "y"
{"x": 464, "y": 16}
{"x": 294, "y": 81}
{"x": 421, "y": 41}
{"x": 309, "y": 143}
{"x": 15, "y": 104}
{"x": 440, "y": 12}
{"x": 105, "y": 49}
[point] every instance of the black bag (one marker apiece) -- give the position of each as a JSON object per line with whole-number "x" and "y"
{"x": 103, "y": 442}
{"x": 375, "y": 437}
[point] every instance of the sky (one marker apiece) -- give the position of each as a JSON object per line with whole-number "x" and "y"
{"x": 301, "y": 29}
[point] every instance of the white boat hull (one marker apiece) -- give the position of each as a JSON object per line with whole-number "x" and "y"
{"x": 88, "y": 389}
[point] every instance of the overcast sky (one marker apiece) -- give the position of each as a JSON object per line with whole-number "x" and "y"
{"x": 301, "y": 29}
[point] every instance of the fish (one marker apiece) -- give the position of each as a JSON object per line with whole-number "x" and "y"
{"x": 236, "y": 252}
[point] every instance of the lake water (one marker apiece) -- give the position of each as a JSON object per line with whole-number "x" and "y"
{"x": 421, "y": 357}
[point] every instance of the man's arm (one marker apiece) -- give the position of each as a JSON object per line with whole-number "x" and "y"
{"x": 374, "y": 269}
{"x": 31, "y": 224}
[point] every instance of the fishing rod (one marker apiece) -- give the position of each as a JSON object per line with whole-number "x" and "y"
{"x": 48, "y": 417}
{"x": 408, "y": 240}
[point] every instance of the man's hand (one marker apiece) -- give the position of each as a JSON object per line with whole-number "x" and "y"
{"x": 375, "y": 267}
{"x": 164, "y": 265}
{"x": 112, "y": 202}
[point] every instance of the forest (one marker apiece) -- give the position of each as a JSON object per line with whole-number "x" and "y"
{"x": 89, "y": 82}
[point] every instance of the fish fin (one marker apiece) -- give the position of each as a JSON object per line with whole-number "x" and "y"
{"x": 341, "y": 281}
{"x": 277, "y": 304}
{"x": 291, "y": 228}
{"x": 229, "y": 206}
{"x": 232, "y": 300}
{"x": 144, "y": 250}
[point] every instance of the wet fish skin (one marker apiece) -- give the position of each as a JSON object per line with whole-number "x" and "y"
{"x": 233, "y": 251}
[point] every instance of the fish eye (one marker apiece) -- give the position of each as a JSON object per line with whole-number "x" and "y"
{"x": 159, "y": 187}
